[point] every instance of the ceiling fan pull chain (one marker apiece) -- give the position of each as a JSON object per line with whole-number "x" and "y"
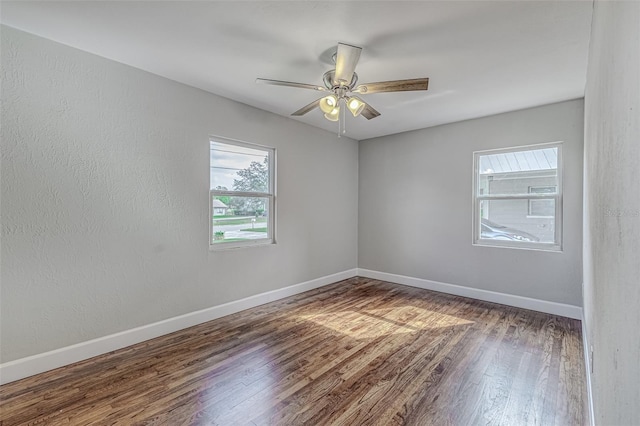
{"x": 342, "y": 122}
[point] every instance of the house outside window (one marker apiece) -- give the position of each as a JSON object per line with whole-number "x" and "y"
{"x": 517, "y": 197}
{"x": 219, "y": 208}
{"x": 541, "y": 208}
{"x": 241, "y": 194}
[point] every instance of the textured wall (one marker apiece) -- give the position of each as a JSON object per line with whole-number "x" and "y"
{"x": 415, "y": 213}
{"x": 105, "y": 174}
{"x": 612, "y": 212}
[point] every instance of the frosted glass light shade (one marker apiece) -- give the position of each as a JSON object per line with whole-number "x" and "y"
{"x": 333, "y": 115}
{"x": 355, "y": 105}
{"x": 328, "y": 103}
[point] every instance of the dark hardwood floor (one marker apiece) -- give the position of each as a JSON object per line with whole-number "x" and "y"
{"x": 356, "y": 352}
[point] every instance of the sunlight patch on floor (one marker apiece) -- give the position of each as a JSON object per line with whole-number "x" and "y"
{"x": 372, "y": 323}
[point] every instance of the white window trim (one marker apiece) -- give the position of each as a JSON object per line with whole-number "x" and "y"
{"x": 556, "y": 246}
{"x": 271, "y": 196}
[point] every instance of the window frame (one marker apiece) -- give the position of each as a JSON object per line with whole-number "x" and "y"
{"x": 270, "y": 196}
{"x": 556, "y": 245}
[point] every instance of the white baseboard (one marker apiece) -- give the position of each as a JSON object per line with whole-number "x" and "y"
{"x": 587, "y": 366}
{"x": 25, "y": 367}
{"x": 561, "y": 309}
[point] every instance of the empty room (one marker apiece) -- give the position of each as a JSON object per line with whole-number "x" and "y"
{"x": 320, "y": 213}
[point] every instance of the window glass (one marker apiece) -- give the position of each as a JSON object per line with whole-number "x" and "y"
{"x": 237, "y": 168}
{"x": 507, "y": 222}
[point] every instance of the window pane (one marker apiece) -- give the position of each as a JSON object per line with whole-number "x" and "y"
{"x": 236, "y": 168}
{"x": 240, "y": 218}
{"x": 516, "y": 172}
{"x": 509, "y": 220}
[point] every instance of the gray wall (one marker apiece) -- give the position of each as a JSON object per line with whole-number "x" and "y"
{"x": 105, "y": 174}
{"x": 612, "y": 212}
{"x": 415, "y": 214}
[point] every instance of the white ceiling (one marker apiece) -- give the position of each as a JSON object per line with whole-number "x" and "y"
{"x": 482, "y": 57}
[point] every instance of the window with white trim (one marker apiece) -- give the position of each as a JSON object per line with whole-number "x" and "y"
{"x": 517, "y": 197}
{"x": 241, "y": 194}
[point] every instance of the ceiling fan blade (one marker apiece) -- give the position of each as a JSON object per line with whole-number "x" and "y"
{"x": 290, "y": 84}
{"x": 393, "y": 86}
{"x": 347, "y": 58}
{"x": 369, "y": 112}
{"x": 305, "y": 109}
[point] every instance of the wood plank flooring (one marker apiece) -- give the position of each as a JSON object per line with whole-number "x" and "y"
{"x": 358, "y": 352}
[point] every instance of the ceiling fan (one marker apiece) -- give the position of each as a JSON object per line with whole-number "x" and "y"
{"x": 341, "y": 82}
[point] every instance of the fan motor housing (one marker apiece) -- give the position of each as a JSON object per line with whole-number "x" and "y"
{"x": 328, "y": 78}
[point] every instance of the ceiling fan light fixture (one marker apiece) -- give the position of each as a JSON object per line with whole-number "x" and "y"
{"x": 328, "y": 104}
{"x": 340, "y": 84}
{"x": 333, "y": 115}
{"x": 355, "y": 105}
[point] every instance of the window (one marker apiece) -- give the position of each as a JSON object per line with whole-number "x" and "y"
{"x": 517, "y": 197}
{"x": 241, "y": 194}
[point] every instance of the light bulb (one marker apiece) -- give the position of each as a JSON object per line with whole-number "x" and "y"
{"x": 333, "y": 115}
{"x": 328, "y": 103}
{"x": 355, "y": 105}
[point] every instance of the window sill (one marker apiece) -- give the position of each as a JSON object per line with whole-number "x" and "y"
{"x": 241, "y": 244}
{"x": 546, "y": 247}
